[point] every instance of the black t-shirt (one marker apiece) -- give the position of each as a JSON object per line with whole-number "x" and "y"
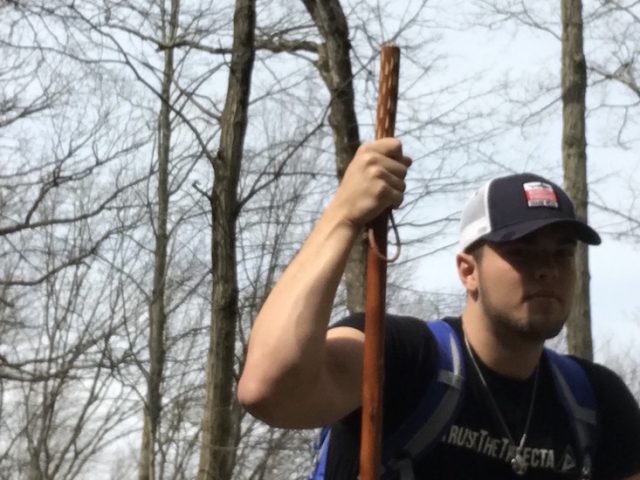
{"x": 475, "y": 445}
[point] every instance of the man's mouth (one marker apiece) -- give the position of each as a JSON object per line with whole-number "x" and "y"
{"x": 544, "y": 294}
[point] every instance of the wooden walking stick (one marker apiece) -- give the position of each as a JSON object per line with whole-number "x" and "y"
{"x": 371, "y": 433}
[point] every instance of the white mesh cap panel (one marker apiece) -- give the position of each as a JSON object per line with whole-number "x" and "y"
{"x": 475, "y": 221}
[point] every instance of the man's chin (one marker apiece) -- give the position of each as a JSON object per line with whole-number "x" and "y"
{"x": 544, "y": 327}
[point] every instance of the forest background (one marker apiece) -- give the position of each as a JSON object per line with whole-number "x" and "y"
{"x": 162, "y": 160}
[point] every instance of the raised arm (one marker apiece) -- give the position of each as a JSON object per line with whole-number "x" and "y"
{"x": 296, "y": 373}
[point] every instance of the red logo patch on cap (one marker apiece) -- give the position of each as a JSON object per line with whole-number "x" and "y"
{"x": 540, "y": 194}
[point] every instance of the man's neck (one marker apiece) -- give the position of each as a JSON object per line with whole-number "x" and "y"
{"x": 512, "y": 357}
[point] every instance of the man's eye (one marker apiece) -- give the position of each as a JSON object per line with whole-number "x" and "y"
{"x": 518, "y": 252}
{"x": 565, "y": 253}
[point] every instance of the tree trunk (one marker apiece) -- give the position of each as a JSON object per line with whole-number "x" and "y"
{"x": 220, "y": 424}
{"x": 157, "y": 313}
{"x": 334, "y": 64}
{"x": 574, "y": 158}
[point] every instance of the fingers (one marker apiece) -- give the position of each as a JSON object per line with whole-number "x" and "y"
{"x": 374, "y": 181}
{"x": 384, "y": 161}
{"x": 387, "y": 147}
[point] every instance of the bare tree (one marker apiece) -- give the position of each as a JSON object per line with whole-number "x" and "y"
{"x": 157, "y": 310}
{"x": 615, "y": 25}
{"x": 615, "y": 78}
{"x": 58, "y": 409}
{"x": 574, "y": 159}
{"x": 334, "y": 64}
{"x": 56, "y": 232}
{"x": 220, "y": 420}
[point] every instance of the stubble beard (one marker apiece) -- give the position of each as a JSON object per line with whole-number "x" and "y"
{"x": 532, "y": 328}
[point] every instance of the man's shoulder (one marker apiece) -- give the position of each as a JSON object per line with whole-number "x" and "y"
{"x": 406, "y": 337}
{"x": 392, "y": 321}
{"x": 601, "y": 376}
{"x": 618, "y": 421}
{"x": 400, "y": 325}
{"x": 612, "y": 394}
{"x": 408, "y": 340}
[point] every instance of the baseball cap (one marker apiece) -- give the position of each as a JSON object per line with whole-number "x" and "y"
{"x": 510, "y": 207}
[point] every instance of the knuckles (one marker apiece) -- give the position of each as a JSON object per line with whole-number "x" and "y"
{"x": 390, "y": 147}
{"x": 376, "y": 172}
{"x": 380, "y": 191}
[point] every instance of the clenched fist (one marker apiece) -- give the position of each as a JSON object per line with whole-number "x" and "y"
{"x": 373, "y": 182}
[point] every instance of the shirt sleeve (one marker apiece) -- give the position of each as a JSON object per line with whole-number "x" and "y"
{"x": 409, "y": 364}
{"x": 618, "y": 448}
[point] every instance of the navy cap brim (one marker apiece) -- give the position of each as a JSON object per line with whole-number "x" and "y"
{"x": 583, "y": 232}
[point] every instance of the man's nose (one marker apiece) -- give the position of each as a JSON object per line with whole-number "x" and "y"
{"x": 545, "y": 266}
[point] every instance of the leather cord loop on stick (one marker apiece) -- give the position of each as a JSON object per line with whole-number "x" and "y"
{"x": 374, "y": 246}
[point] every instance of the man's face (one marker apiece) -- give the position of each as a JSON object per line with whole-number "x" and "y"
{"x": 526, "y": 286}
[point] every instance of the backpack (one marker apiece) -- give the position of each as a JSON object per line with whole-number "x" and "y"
{"x": 438, "y": 408}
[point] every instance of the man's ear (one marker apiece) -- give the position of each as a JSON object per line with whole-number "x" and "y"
{"x": 468, "y": 271}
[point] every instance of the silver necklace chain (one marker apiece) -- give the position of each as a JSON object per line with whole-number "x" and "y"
{"x": 517, "y": 461}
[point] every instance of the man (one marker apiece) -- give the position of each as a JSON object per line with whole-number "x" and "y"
{"x": 516, "y": 263}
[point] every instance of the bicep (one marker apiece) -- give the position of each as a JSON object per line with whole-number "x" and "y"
{"x": 343, "y": 369}
{"x": 334, "y": 393}
{"x": 338, "y": 390}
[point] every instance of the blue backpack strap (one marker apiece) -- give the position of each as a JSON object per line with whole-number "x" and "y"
{"x": 576, "y": 394}
{"x": 435, "y": 412}
{"x": 322, "y": 448}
